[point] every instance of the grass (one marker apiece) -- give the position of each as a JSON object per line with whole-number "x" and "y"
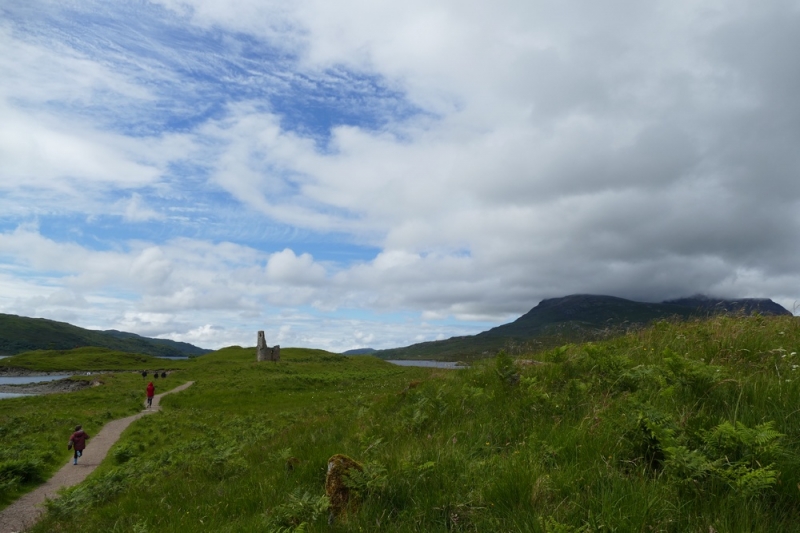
{"x": 87, "y": 359}
{"x": 35, "y": 429}
{"x": 690, "y": 426}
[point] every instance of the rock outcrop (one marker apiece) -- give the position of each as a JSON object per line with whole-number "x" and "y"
{"x": 339, "y": 468}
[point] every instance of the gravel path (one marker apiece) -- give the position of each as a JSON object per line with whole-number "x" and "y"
{"x": 25, "y": 511}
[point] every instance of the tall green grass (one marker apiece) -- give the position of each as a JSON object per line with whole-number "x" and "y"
{"x": 34, "y": 430}
{"x": 679, "y": 427}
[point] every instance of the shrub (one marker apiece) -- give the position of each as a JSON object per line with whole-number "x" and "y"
{"x": 124, "y": 453}
{"x": 22, "y": 470}
{"x": 302, "y": 508}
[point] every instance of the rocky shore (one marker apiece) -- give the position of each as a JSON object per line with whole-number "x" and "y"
{"x": 11, "y": 372}
{"x": 49, "y": 387}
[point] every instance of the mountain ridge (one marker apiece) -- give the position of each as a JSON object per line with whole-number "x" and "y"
{"x": 575, "y": 318}
{"x": 20, "y": 334}
{"x": 360, "y": 351}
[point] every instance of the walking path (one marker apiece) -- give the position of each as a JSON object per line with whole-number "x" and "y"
{"x": 25, "y": 511}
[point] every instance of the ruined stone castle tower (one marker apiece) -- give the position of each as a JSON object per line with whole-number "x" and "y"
{"x": 264, "y": 352}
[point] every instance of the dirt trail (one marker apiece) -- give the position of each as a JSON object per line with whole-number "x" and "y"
{"x": 25, "y": 511}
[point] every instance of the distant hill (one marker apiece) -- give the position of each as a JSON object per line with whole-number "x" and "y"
{"x": 576, "y": 318}
{"x": 184, "y": 347}
{"x": 360, "y": 351}
{"x": 21, "y": 334}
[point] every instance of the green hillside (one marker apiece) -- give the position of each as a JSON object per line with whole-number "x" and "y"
{"x": 679, "y": 427}
{"x": 20, "y": 334}
{"x": 576, "y": 318}
{"x": 89, "y": 358}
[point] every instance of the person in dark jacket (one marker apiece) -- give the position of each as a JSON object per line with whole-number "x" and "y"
{"x": 78, "y": 440}
{"x": 151, "y": 391}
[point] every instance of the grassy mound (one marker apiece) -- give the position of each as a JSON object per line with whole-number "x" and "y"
{"x": 681, "y": 427}
{"x": 89, "y": 358}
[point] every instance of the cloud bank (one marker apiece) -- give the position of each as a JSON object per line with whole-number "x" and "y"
{"x": 381, "y": 173}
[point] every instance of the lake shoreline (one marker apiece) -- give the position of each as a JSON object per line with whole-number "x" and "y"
{"x": 427, "y": 363}
{"x": 12, "y": 372}
{"x": 48, "y": 387}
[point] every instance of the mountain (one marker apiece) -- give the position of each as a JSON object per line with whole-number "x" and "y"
{"x": 576, "y": 318}
{"x": 183, "y": 347}
{"x": 22, "y": 334}
{"x": 748, "y": 306}
{"x": 360, "y": 351}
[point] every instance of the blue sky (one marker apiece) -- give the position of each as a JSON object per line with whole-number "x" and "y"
{"x": 361, "y": 173}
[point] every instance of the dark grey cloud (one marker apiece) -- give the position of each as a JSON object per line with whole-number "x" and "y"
{"x": 487, "y": 156}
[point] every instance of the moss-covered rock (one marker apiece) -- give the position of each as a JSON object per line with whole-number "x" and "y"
{"x": 336, "y": 483}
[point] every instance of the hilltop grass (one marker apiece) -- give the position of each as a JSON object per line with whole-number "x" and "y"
{"x": 478, "y": 347}
{"x": 679, "y": 427}
{"x": 86, "y": 359}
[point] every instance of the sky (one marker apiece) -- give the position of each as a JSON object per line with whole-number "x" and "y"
{"x": 370, "y": 173}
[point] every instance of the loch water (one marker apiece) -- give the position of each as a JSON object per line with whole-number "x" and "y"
{"x": 426, "y": 364}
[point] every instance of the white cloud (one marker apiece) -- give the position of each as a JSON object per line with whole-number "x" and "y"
{"x": 134, "y": 210}
{"x": 44, "y": 148}
{"x": 41, "y": 73}
{"x": 41, "y": 152}
{"x": 285, "y": 266}
{"x": 59, "y": 149}
{"x": 640, "y": 150}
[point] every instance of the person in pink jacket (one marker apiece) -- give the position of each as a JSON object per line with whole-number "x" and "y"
{"x": 151, "y": 391}
{"x": 78, "y": 440}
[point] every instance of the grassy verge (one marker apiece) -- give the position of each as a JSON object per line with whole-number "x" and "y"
{"x": 35, "y": 429}
{"x": 680, "y": 427}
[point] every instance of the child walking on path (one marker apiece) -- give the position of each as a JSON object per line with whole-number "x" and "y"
{"x": 24, "y": 512}
{"x": 151, "y": 391}
{"x": 78, "y": 441}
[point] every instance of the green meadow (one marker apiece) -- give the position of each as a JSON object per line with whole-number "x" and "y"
{"x": 87, "y": 359}
{"x": 679, "y": 427}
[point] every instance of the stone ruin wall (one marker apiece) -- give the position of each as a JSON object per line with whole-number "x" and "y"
{"x": 264, "y": 352}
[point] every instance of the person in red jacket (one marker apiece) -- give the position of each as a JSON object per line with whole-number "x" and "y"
{"x": 78, "y": 440}
{"x": 151, "y": 391}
